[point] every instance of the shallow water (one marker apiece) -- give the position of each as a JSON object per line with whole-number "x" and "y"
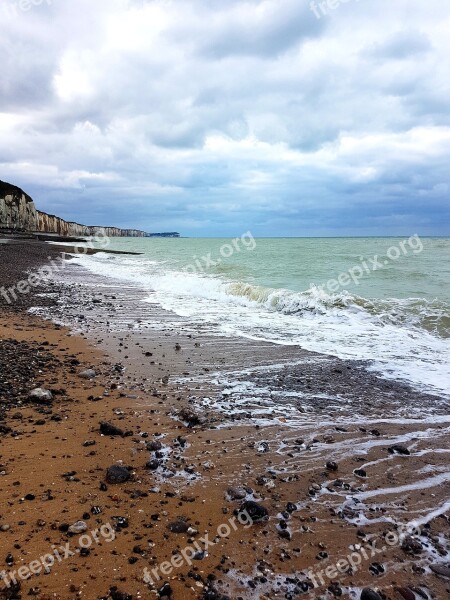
{"x": 397, "y": 316}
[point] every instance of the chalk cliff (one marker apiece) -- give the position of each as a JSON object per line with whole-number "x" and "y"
{"x": 18, "y": 213}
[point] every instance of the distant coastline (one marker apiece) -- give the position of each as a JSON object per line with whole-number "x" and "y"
{"x": 18, "y": 214}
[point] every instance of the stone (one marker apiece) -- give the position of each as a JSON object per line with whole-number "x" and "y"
{"x": 88, "y": 374}
{"x": 399, "y": 449}
{"x": 255, "y": 511}
{"x": 154, "y": 445}
{"x": 78, "y": 527}
{"x": 405, "y": 593}
{"x": 235, "y": 493}
{"x": 411, "y": 546}
{"x": 178, "y": 526}
{"x": 369, "y": 594}
{"x": 40, "y": 395}
{"x": 441, "y": 570}
{"x": 360, "y": 473}
{"x": 110, "y": 429}
{"x": 117, "y": 474}
{"x": 153, "y": 464}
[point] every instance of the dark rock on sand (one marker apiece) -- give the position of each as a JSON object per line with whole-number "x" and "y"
{"x": 115, "y": 594}
{"x": 117, "y": 474}
{"x": 399, "y": 449}
{"x": 442, "y": 570}
{"x": 153, "y": 464}
{"x": 360, "y": 473}
{"x": 255, "y": 511}
{"x": 369, "y": 594}
{"x": 165, "y": 591}
{"x": 406, "y": 593}
{"x": 331, "y": 466}
{"x": 189, "y": 417}
{"x": 110, "y": 429}
{"x": 234, "y": 493}
{"x": 153, "y": 446}
{"x": 178, "y": 526}
{"x": 411, "y": 546}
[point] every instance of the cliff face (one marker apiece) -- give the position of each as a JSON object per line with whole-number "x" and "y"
{"x": 18, "y": 213}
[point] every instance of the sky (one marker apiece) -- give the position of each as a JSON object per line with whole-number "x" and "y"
{"x": 216, "y": 117}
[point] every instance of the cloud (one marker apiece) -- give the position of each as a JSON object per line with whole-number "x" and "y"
{"x": 402, "y": 45}
{"x": 208, "y": 117}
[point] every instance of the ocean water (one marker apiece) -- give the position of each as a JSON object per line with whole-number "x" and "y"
{"x": 383, "y": 300}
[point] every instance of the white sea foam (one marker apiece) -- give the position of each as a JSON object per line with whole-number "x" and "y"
{"x": 393, "y": 334}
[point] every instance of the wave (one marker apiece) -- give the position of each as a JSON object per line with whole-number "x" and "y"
{"x": 432, "y": 316}
{"x": 403, "y": 338}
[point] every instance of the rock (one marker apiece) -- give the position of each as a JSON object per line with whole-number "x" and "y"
{"x": 154, "y": 446}
{"x": 360, "y": 473}
{"x": 40, "y": 395}
{"x": 189, "y": 417}
{"x": 153, "y": 464}
{"x": 331, "y": 466}
{"x": 78, "y": 527}
{"x": 405, "y": 593}
{"x": 411, "y": 546}
{"x": 399, "y": 449}
{"x": 442, "y": 570}
{"x": 369, "y": 594}
{"x": 377, "y": 568}
{"x": 178, "y": 526}
{"x": 121, "y": 523}
{"x": 5, "y": 527}
{"x": 88, "y": 374}
{"x": 255, "y": 511}
{"x": 117, "y": 595}
{"x": 165, "y": 591}
{"x": 234, "y": 493}
{"x": 110, "y": 429}
{"x": 284, "y": 534}
{"x": 117, "y": 474}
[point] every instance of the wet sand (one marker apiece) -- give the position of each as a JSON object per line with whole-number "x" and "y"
{"x": 339, "y": 458}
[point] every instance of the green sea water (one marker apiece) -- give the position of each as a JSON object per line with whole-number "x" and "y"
{"x": 384, "y": 300}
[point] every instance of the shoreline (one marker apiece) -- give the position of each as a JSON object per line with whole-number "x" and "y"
{"x": 258, "y": 462}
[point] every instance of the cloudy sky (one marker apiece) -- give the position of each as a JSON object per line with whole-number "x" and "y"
{"x": 213, "y": 117}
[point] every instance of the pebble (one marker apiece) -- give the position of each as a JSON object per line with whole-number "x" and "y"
{"x": 369, "y": 594}
{"x": 234, "y": 493}
{"x": 117, "y": 474}
{"x": 178, "y": 526}
{"x": 88, "y": 374}
{"x": 399, "y": 449}
{"x": 40, "y": 395}
{"x": 110, "y": 429}
{"x": 256, "y": 511}
{"x": 78, "y": 527}
{"x": 441, "y": 570}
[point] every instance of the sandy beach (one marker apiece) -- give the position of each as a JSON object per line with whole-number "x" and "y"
{"x": 133, "y": 474}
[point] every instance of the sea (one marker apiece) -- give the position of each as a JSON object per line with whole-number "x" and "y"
{"x": 384, "y": 300}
